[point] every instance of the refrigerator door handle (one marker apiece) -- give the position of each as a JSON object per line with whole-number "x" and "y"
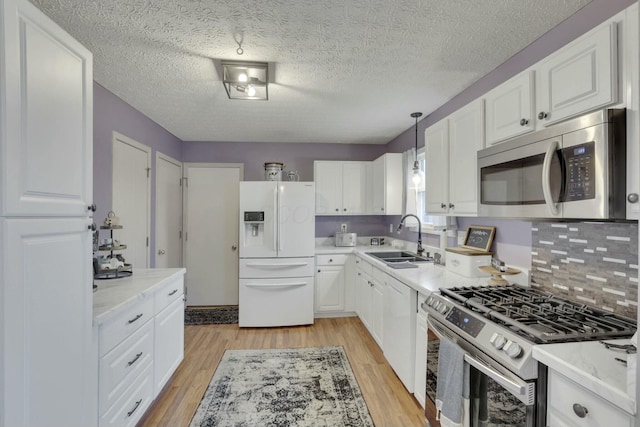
{"x": 276, "y": 220}
{"x": 279, "y": 193}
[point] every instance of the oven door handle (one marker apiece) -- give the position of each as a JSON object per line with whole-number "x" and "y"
{"x": 524, "y": 391}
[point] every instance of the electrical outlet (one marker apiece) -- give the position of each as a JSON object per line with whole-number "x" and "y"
{"x": 343, "y": 228}
{"x": 390, "y": 228}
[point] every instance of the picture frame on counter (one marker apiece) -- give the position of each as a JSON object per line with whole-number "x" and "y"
{"x": 479, "y": 237}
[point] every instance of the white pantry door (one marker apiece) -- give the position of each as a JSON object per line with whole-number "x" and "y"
{"x": 168, "y": 251}
{"x": 211, "y": 233}
{"x": 131, "y": 200}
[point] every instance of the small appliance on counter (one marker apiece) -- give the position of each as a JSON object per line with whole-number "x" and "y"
{"x": 346, "y": 239}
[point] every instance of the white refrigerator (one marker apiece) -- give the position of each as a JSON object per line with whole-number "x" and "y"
{"x": 277, "y": 245}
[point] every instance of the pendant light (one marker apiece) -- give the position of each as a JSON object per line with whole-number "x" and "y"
{"x": 417, "y": 177}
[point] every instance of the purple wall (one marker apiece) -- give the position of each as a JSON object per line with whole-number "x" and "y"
{"x": 111, "y": 113}
{"x": 296, "y": 157}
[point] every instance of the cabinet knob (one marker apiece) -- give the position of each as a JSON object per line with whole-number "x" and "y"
{"x": 542, "y": 115}
{"x": 92, "y": 227}
{"x": 632, "y": 198}
{"x": 318, "y": 270}
{"x": 161, "y": 252}
{"x": 580, "y": 410}
{"x": 451, "y": 206}
{"x": 92, "y": 207}
{"x": 344, "y": 209}
{"x": 337, "y": 210}
{"x": 443, "y": 205}
{"x": 234, "y": 247}
{"x": 524, "y": 122}
{"x": 330, "y": 259}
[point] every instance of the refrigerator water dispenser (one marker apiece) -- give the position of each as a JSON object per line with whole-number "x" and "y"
{"x": 255, "y": 222}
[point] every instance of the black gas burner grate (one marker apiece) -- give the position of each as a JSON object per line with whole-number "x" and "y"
{"x": 541, "y": 316}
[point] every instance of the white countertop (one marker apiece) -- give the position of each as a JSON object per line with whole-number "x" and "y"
{"x": 114, "y": 295}
{"x": 592, "y": 366}
{"x": 427, "y": 278}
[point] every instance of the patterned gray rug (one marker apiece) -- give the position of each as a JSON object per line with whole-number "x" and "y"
{"x": 306, "y": 387}
{"x": 223, "y": 315}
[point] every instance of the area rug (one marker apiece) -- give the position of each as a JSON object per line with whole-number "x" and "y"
{"x": 224, "y": 315}
{"x": 305, "y": 387}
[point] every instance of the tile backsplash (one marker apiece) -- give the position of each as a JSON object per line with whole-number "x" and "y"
{"x": 594, "y": 263}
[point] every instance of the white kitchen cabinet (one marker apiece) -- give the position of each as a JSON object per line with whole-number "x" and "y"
{"x": 510, "y": 108}
{"x": 387, "y": 184}
{"x": 451, "y": 154}
{"x": 399, "y": 328}
{"x": 378, "y": 285}
{"x": 578, "y": 78}
{"x": 631, "y": 61}
{"x": 330, "y": 283}
{"x": 571, "y": 405}
{"x": 370, "y": 306}
{"x": 139, "y": 350}
{"x": 420, "y": 370}
{"x": 341, "y": 187}
{"x": 364, "y": 303}
{"x": 45, "y": 193}
{"x": 437, "y": 167}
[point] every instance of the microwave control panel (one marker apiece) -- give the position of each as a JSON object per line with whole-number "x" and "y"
{"x": 580, "y": 163}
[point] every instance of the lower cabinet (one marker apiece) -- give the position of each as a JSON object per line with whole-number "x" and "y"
{"x": 138, "y": 352}
{"x": 420, "y": 372}
{"x": 399, "y": 323}
{"x": 370, "y": 297}
{"x": 571, "y": 405}
{"x": 330, "y": 283}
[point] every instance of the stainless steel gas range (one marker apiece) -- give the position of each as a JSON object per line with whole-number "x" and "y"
{"x": 497, "y": 327}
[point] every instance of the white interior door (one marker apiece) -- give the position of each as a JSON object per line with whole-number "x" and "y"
{"x": 168, "y": 251}
{"x": 131, "y": 198}
{"x": 211, "y": 233}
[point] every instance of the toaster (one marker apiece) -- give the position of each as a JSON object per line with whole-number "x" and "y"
{"x": 346, "y": 239}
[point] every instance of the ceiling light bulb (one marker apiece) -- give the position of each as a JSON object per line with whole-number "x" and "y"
{"x": 242, "y": 77}
{"x": 251, "y": 91}
{"x": 416, "y": 178}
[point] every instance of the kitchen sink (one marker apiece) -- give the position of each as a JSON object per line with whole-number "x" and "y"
{"x": 400, "y": 259}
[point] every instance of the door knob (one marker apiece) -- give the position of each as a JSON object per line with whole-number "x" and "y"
{"x": 234, "y": 247}
{"x": 161, "y": 252}
{"x": 632, "y": 198}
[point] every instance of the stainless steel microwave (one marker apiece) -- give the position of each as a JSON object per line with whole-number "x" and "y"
{"x": 575, "y": 169}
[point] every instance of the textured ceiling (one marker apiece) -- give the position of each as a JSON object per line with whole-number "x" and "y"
{"x": 346, "y": 71}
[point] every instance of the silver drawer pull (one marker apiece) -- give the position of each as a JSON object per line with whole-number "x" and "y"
{"x": 135, "y": 318}
{"x": 135, "y": 359}
{"x": 173, "y": 292}
{"x": 134, "y": 408}
{"x": 580, "y": 410}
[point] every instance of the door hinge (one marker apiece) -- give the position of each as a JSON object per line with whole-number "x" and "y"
{"x": 148, "y": 172}
{"x": 180, "y": 182}
{"x": 147, "y": 241}
{"x": 179, "y": 234}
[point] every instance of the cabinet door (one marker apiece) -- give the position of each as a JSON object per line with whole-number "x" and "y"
{"x": 330, "y": 288}
{"x": 328, "y": 180}
{"x": 466, "y": 137}
{"x": 420, "y": 376}
{"x": 364, "y": 290}
{"x": 168, "y": 349}
{"x": 354, "y": 188}
{"x": 632, "y": 101}
{"x": 47, "y": 89}
{"x": 579, "y": 77}
{"x": 437, "y": 167}
{"x": 510, "y": 109}
{"x": 50, "y": 372}
{"x": 377, "y": 182}
{"x": 377, "y": 312}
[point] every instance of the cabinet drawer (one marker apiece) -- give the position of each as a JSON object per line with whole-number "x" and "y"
{"x": 564, "y": 393}
{"x": 336, "y": 259}
{"x": 129, "y": 321}
{"x": 364, "y": 266}
{"x": 276, "y": 267}
{"x": 168, "y": 293}
{"x": 120, "y": 366}
{"x": 132, "y": 404}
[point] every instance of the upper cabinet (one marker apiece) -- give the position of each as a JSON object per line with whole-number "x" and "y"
{"x": 451, "y": 161}
{"x": 578, "y": 78}
{"x": 510, "y": 108}
{"x": 341, "y": 187}
{"x": 387, "y": 184}
{"x": 47, "y": 89}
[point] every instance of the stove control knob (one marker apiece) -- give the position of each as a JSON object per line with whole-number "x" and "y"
{"x": 443, "y": 308}
{"x": 497, "y": 340}
{"x": 512, "y": 349}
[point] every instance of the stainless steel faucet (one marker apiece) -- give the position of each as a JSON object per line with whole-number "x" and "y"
{"x": 420, "y": 250}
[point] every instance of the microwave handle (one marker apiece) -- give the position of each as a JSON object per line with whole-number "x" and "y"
{"x": 546, "y": 178}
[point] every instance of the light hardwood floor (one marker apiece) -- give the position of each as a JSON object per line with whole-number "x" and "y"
{"x": 388, "y": 401}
